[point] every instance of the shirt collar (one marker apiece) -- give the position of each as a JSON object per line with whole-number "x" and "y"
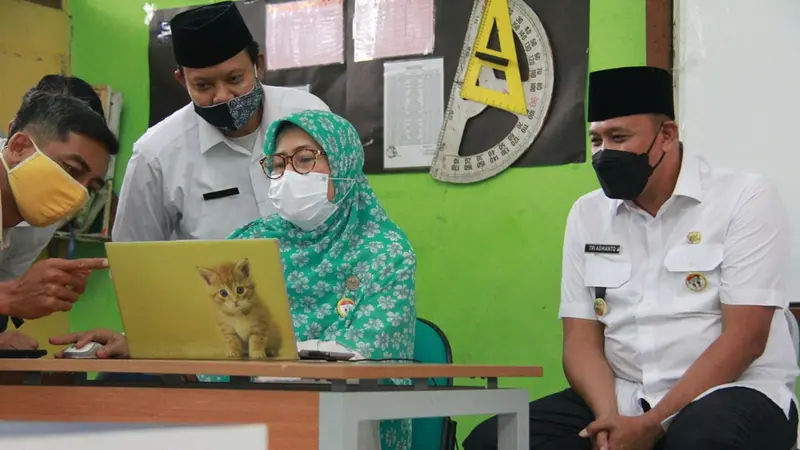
{"x": 210, "y": 136}
{"x": 689, "y": 182}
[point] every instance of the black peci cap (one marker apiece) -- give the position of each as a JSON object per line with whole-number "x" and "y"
{"x": 626, "y": 91}
{"x": 208, "y": 35}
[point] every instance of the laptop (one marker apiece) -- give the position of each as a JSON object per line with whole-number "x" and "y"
{"x": 206, "y": 300}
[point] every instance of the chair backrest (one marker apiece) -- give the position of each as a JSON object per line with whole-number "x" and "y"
{"x": 431, "y": 346}
{"x": 794, "y": 330}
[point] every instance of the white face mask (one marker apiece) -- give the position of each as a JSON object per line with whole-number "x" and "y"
{"x": 302, "y": 199}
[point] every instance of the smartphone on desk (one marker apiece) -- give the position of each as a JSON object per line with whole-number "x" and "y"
{"x": 319, "y": 355}
{"x": 13, "y": 353}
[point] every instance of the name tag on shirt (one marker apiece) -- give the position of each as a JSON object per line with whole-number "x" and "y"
{"x": 220, "y": 194}
{"x": 602, "y": 248}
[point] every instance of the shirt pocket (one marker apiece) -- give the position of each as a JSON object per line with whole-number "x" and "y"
{"x": 613, "y": 274}
{"x": 605, "y": 271}
{"x": 217, "y": 218}
{"x": 693, "y": 275}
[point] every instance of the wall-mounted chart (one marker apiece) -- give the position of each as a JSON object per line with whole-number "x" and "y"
{"x": 526, "y": 89}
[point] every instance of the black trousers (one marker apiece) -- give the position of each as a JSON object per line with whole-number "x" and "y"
{"x": 734, "y": 418}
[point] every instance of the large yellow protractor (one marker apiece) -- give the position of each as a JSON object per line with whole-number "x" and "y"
{"x": 512, "y": 99}
{"x": 536, "y": 89}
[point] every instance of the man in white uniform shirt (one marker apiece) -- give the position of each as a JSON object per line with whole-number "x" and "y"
{"x": 196, "y": 174}
{"x": 673, "y": 304}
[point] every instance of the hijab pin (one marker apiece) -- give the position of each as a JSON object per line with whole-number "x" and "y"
{"x": 352, "y": 283}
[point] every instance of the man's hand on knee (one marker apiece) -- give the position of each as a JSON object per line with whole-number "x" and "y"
{"x": 600, "y": 441}
{"x": 628, "y": 433}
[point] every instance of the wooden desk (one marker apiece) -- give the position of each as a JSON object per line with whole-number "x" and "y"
{"x": 299, "y": 416}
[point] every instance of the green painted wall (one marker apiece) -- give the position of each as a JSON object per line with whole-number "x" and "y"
{"x": 489, "y": 254}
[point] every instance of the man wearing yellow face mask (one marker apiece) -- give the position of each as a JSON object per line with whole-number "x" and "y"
{"x": 58, "y": 149}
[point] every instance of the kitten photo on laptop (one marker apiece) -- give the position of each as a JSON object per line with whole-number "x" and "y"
{"x": 242, "y": 317}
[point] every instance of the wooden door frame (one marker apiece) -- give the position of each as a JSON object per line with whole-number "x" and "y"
{"x": 660, "y": 49}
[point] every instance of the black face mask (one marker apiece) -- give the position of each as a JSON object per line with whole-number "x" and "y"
{"x": 233, "y": 114}
{"x": 623, "y": 175}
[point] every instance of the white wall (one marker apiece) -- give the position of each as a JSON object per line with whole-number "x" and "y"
{"x": 738, "y": 92}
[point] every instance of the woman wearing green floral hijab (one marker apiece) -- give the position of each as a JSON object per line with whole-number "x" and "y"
{"x": 349, "y": 269}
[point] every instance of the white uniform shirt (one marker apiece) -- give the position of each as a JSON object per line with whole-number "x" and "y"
{"x": 656, "y": 325}
{"x": 184, "y": 157}
{"x": 21, "y": 245}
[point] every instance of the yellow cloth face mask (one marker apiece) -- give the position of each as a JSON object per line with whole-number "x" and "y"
{"x": 45, "y": 193}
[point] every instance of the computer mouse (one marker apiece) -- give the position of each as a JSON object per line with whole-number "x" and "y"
{"x": 88, "y": 351}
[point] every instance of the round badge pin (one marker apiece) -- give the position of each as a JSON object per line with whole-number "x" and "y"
{"x": 352, "y": 283}
{"x": 696, "y": 282}
{"x": 344, "y": 307}
{"x": 600, "y": 307}
{"x": 694, "y": 237}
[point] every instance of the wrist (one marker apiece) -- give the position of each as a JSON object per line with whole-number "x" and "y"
{"x": 607, "y": 410}
{"x": 604, "y": 405}
{"x": 6, "y": 293}
{"x": 655, "y": 419}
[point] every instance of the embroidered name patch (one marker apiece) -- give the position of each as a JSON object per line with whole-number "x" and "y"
{"x": 602, "y": 248}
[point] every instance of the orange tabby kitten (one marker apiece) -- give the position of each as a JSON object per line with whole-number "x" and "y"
{"x": 243, "y": 319}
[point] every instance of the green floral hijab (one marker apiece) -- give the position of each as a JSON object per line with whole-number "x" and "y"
{"x": 352, "y": 279}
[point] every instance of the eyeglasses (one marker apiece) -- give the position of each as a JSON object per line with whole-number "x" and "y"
{"x": 303, "y": 161}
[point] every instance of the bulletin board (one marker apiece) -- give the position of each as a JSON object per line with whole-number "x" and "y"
{"x": 352, "y": 84}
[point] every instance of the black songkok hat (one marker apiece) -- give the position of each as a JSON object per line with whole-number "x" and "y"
{"x": 208, "y": 35}
{"x": 626, "y": 91}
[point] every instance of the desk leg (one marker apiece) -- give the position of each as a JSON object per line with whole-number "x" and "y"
{"x": 369, "y": 435}
{"x": 338, "y": 434}
{"x": 339, "y": 429}
{"x": 340, "y": 412}
{"x": 513, "y": 431}
{"x": 345, "y": 433}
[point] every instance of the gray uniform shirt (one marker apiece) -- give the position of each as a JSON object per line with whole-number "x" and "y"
{"x": 21, "y": 246}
